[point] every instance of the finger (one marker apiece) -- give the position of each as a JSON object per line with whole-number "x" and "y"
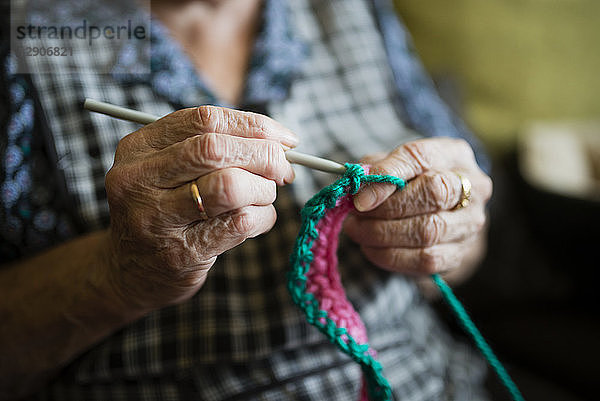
{"x": 214, "y": 236}
{"x": 419, "y": 261}
{"x": 178, "y": 208}
{"x": 233, "y": 188}
{"x": 411, "y": 160}
{"x": 428, "y": 193}
{"x": 186, "y": 123}
{"x": 203, "y": 154}
{"x": 417, "y": 231}
{"x": 220, "y": 192}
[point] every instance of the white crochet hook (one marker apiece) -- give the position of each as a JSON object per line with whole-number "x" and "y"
{"x": 314, "y": 162}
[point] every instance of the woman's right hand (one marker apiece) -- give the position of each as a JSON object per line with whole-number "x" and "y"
{"x": 161, "y": 245}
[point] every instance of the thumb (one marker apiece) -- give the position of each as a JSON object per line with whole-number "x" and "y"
{"x": 406, "y": 162}
{"x": 372, "y": 195}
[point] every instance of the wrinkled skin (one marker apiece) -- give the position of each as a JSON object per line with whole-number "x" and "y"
{"x": 162, "y": 245}
{"x": 417, "y": 230}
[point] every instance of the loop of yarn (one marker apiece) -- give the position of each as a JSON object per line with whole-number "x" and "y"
{"x": 315, "y": 284}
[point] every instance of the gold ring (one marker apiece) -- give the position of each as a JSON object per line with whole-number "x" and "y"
{"x": 465, "y": 196}
{"x": 196, "y": 196}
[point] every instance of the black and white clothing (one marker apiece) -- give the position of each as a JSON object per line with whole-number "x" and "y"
{"x": 355, "y": 88}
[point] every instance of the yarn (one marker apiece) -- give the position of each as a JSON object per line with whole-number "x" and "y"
{"x": 315, "y": 285}
{"x": 485, "y": 349}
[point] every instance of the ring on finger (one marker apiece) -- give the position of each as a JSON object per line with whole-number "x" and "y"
{"x": 465, "y": 194}
{"x": 197, "y": 198}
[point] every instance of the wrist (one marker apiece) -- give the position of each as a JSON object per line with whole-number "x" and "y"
{"x": 114, "y": 287}
{"x": 140, "y": 283}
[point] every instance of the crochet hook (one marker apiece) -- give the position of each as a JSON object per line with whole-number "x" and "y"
{"x": 314, "y": 162}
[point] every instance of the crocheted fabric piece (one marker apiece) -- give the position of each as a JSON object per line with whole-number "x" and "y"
{"x": 315, "y": 285}
{"x": 314, "y": 281}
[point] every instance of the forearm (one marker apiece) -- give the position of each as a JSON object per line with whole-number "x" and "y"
{"x": 55, "y": 306}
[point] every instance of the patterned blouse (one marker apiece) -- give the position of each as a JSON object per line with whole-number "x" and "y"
{"x": 342, "y": 74}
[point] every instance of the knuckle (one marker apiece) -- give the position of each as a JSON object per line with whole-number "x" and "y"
{"x": 226, "y": 188}
{"x": 258, "y": 123}
{"x": 431, "y": 230}
{"x": 124, "y": 147}
{"x": 440, "y": 191}
{"x": 116, "y": 183}
{"x": 275, "y": 160}
{"x": 210, "y": 149}
{"x": 380, "y": 232}
{"x": 242, "y": 224}
{"x": 430, "y": 260}
{"x": 418, "y": 151}
{"x": 210, "y": 118}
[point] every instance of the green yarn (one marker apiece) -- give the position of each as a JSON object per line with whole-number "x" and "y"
{"x": 378, "y": 387}
{"x": 465, "y": 320}
{"x": 314, "y": 210}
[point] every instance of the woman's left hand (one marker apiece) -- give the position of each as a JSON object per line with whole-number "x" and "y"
{"x": 421, "y": 230}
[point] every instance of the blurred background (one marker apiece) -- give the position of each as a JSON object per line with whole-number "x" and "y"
{"x": 525, "y": 76}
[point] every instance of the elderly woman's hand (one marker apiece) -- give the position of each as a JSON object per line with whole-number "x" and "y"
{"x": 419, "y": 230}
{"x": 162, "y": 245}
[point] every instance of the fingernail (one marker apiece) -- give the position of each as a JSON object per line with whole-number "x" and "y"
{"x": 365, "y": 199}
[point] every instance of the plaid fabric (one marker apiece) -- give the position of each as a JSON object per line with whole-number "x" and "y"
{"x": 241, "y": 337}
{"x": 417, "y": 370}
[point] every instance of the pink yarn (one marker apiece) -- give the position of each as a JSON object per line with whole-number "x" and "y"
{"x": 324, "y": 281}
{"x": 324, "y": 278}
{"x": 314, "y": 280}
